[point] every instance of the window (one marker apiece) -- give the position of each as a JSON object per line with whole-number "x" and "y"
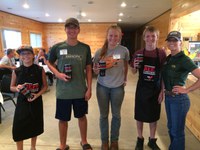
{"x": 11, "y": 39}
{"x": 36, "y": 40}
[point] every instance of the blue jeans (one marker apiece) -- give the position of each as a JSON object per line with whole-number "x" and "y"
{"x": 113, "y": 96}
{"x": 176, "y": 109}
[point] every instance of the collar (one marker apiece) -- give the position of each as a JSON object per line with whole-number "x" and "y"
{"x": 181, "y": 53}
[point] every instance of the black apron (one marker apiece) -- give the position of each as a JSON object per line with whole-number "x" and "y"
{"x": 28, "y": 117}
{"x": 147, "y": 108}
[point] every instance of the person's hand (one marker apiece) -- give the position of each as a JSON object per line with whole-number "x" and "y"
{"x": 160, "y": 96}
{"x": 177, "y": 89}
{"x": 13, "y": 67}
{"x": 19, "y": 87}
{"x": 33, "y": 97}
{"x": 136, "y": 63}
{"x": 44, "y": 59}
{"x": 63, "y": 77}
{"x": 88, "y": 94}
{"x": 96, "y": 68}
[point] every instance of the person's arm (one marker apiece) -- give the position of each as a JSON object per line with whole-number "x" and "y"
{"x": 7, "y": 67}
{"x": 125, "y": 71}
{"x": 13, "y": 86}
{"x": 58, "y": 74}
{"x": 88, "y": 93}
{"x": 196, "y": 85}
{"x": 161, "y": 94}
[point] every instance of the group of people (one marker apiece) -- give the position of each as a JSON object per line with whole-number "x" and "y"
{"x": 159, "y": 76}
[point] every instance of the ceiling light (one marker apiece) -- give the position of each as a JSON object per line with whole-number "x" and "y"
{"x": 46, "y": 14}
{"x": 60, "y": 20}
{"x": 123, "y": 4}
{"x": 83, "y": 14}
{"x": 121, "y": 14}
{"x": 26, "y": 5}
{"x": 119, "y": 20}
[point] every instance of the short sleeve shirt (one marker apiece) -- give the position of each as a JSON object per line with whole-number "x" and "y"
{"x": 115, "y": 75}
{"x": 78, "y": 56}
{"x": 176, "y": 69}
{"x": 6, "y": 61}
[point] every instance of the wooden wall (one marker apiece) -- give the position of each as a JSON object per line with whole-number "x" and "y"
{"x": 162, "y": 23}
{"x": 9, "y": 21}
{"x": 92, "y": 34}
{"x": 185, "y": 18}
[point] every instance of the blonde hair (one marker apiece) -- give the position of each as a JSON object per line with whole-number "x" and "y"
{"x": 105, "y": 45}
{"x": 151, "y": 29}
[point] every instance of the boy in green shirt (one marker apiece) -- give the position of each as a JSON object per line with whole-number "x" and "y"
{"x": 72, "y": 91}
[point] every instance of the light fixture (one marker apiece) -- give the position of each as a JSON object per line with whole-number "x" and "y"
{"x": 121, "y": 14}
{"x": 119, "y": 20}
{"x": 83, "y": 14}
{"x": 123, "y": 4}
{"x": 26, "y": 5}
{"x": 46, "y": 14}
{"x": 89, "y": 20}
{"x": 60, "y": 20}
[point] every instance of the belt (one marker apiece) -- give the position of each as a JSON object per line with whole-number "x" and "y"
{"x": 170, "y": 93}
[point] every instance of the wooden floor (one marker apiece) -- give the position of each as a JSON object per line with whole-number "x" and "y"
{"x": 49, "y": 140}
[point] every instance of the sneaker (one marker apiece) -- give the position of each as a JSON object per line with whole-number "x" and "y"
{"x": 140, "y": 143}
{"x": 152, "y": 144}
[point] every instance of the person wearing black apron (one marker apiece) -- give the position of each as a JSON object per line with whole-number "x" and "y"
{"x": 148, "y": 92}
{"x": 29, "y": 81}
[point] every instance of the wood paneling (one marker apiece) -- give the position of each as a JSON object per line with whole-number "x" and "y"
{"x": 162, "y": 24}
{"x": 91, "y": 34}
{"x": 9, "y": 21}
{"x": 184, "y": 7}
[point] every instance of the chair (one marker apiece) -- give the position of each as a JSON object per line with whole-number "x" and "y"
{"x": 5, "y": 89}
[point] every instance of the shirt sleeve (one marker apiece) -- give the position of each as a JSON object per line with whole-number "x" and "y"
{"x": 127, "y": 55}
{"x": 189, "y": 64}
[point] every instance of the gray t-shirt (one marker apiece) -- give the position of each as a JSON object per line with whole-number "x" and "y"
{"x": 115, "y": 75}
{"x": 78, "y": 56}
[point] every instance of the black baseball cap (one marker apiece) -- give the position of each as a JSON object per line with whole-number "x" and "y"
{"x": 24, "y": 48}
{"x": 174, "y": 34}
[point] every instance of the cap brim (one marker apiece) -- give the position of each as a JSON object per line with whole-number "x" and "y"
{"x": 172, "y": 37}
{"x": 21, "y": 50}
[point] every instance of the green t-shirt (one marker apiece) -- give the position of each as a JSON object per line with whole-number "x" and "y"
{"x": 79, "y": 56}
{"x": 175, "y": 70}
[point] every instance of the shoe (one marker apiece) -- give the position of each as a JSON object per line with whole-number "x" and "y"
{"x": 139, "y": 144}
{"x": 152, "y": 144}
{"x": 114, "y": 145}
{"x": 66, "y": 148}
{"x": 104, "y": 146}
{"x": 86, "y": 146}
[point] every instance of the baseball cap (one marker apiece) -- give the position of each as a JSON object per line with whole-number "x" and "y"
{"x": 174, "y": 34}
{"x": 24, "y": 48}
{"x": 71, "y": 21}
